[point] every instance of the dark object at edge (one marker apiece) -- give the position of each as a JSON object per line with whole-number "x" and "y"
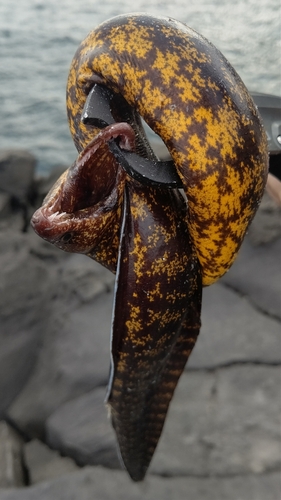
{"x": 269, "y": 107}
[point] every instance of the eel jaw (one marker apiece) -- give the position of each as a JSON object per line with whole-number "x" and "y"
{"x": 84, "y": 202}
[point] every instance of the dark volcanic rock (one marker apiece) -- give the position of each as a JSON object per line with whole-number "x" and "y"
{"x": 5, "y": 204}
{"x": 17, "y": 169}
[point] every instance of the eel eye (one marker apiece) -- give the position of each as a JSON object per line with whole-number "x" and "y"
{"x": 66, "y": 237}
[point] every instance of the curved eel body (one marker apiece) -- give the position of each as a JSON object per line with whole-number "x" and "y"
{"x": 194, "y": 100}
{"x": 163, "y": 244}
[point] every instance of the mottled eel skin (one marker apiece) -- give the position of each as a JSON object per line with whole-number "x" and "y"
{"x": 162, "y": 248}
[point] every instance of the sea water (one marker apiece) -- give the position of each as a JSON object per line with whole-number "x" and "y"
{"x": 39, "y": 38}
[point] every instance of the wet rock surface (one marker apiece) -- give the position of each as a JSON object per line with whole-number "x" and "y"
{"x": 222, "y": 438}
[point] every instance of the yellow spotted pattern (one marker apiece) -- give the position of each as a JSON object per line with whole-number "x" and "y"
{"x": 156, "y": 331}
{"x": 188, "y": 94}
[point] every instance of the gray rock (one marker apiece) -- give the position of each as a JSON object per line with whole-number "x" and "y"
{"x": 83, "y": 278}
{"x": 75, "y": 355}
{"x": 257, "y": 274}
{"x": 23, "y": 313}
{"x": 81, "y": 429}
{"x": 11, "y": 470}
{"x": 234, "y": 331}
{"x": 16, "y": 172}
{"x": 4, "y": 204}
{"x": 266, "y": 226}
{"x": 181, "y": 449}
{"x": 224, "y": 422}
{"x": 43, "y": 464}
{"x": 221, "y": 422}
{"x": 96, "y": 483}
{"x": 247, "y": 421}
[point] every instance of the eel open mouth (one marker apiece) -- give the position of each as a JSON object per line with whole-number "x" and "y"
{"x": 92, "y": 178}
{"x": 87, "y": 195}
{"x": 88, "y": 198}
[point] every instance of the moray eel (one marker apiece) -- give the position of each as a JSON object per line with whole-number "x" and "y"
{"x": 164, "y": 241}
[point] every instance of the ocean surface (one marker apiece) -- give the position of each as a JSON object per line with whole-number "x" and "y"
{"x": 39, "y": 38}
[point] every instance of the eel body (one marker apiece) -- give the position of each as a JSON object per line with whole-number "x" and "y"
{"x": 163, "y": 243}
